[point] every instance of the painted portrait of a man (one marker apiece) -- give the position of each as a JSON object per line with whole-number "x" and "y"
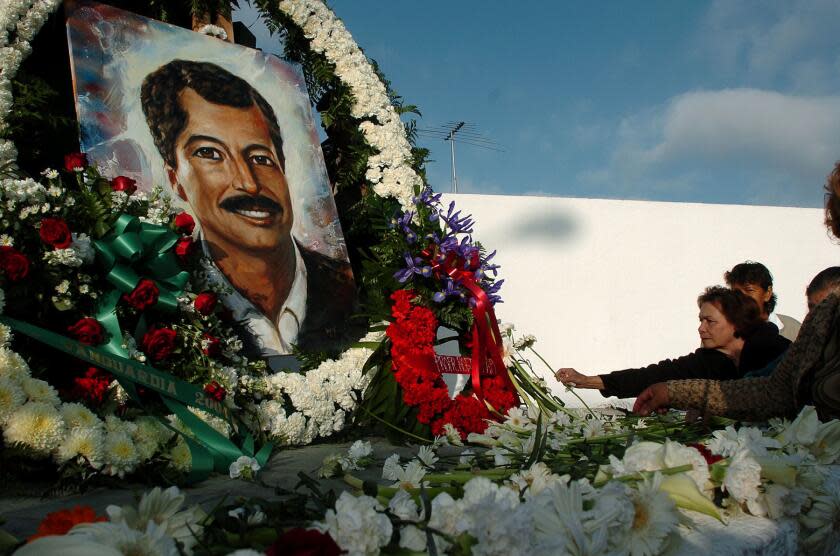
{"x": 223, "y": 154}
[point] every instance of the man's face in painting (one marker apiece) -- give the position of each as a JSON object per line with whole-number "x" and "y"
{"x": 229, "y": 171}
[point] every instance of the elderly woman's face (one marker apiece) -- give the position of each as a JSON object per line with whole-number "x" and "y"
{"x": 715, "y": 331}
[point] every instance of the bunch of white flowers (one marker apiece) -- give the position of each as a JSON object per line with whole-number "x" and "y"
{"x": 317, "y": 401}
{"x": 33, "y": 417}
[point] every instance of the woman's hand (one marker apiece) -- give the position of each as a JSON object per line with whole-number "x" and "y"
{"x": 571, "y": 377}
{"x": 653, "y": 398}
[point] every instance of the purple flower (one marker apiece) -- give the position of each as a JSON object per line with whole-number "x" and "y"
{"x": 405, "y": 274}
{"x": 451, "y": 291}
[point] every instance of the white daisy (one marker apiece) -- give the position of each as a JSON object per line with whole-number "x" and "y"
{"x": 427, "y": 456}
{"x": 654, "y": 518}
{"x": 163, "y": 508}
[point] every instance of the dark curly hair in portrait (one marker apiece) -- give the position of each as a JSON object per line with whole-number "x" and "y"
{"x": 742, "y": 311}
{"x": 165, "y": 116}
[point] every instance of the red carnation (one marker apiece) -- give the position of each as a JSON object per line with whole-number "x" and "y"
{"x": 184, "y": 223}
{"x": 144, "y": 295}
{"x": 60, "y": 522}
{"x": 54, "y": 232}
{"x": 92, "y": 387}
{"x": 13, "y": 263}
{"x": 402, "y": 303}
{"x": 88, "y": 331}
{"x": 159, "y": 343}
{"x": 215, "y": 391}
{"x": 213, "y": 346}
{"x": 184, "y": 247}
{"x": 303, "y": 542}
{"x": 123, "y": 183}
{"x": 75, "y": 161}
{"x": 205, "y": 302}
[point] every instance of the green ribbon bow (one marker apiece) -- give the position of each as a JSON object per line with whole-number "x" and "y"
{"x": 132, "y": 251}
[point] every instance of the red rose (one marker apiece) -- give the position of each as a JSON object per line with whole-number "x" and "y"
{"x": 54, "y": 232}
{"x": 158, "y": 343}
{"x": 212, "y": 344}
{"x": 122, "y": 183}
{"x": 184, "y": 247}
{"x": 215, "y": 391}
{"x": 303, "y": 542}
{"x": 13, "y": 263}
{"x": 184, "y": 223}
{"x": 144, "y": 295}
{"x": 88, "y": 331}
{"x": 205, "y": 303}
{"x": 75, "y": 161}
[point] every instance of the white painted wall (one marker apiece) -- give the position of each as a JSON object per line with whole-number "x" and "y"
{"x": 611, "y": 284}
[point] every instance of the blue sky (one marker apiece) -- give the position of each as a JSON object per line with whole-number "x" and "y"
{"x": 715, "y": 102}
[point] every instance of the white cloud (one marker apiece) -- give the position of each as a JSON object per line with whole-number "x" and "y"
{"x": 766, "y": 41}
{"x": 796, "y": 134}
{"x": 775, "y": 148}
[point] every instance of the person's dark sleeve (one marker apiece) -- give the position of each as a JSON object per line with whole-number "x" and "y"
{"x": 703, "y": 363}
{"x": 762, "y": 347}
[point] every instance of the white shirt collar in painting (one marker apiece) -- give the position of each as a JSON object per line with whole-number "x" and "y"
{"x": 273, "y": 338}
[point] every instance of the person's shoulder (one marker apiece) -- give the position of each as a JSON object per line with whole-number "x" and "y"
{"x": 767, "y": 333}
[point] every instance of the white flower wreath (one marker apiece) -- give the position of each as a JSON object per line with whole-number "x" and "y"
{"x": 323, "y": 397}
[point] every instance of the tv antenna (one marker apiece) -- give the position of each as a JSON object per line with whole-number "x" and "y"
{"x": 464, "y": 132}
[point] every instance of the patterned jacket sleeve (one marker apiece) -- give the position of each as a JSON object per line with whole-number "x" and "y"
{"x": 757, "y": 399}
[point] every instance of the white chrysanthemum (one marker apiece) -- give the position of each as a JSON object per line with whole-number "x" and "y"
{"x": 163, "y": 508}
{"x": 180, "y": 457}
{"x": 743, "y": 477}
{"x": 36, "y": 425}
{"x": 356, "y": 525}
{"x": 38, "y": 390}
{"x": 452, "y": 435}
{"x": 148, "y": 437}
{"x": 76, "y": 415}
{"x": 114, "y": 424}
{"x": 11, "y": 397}
{"x": 82, "y": 442}
{"x": 217, "y": 423}
{"x": 120, "y": 454}
{"x": 654, "y": 519}
{"x": 12, "y": 366}
{"x": 5, "y": 335}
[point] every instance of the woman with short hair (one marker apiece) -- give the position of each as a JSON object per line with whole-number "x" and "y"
{"x": 734, "y": 340}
